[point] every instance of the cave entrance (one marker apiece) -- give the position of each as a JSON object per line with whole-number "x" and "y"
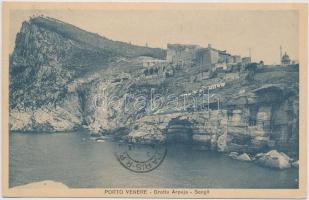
{"x": 179, "y": 131}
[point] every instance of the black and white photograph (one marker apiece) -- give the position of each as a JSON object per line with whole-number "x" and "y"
{"x": 155, "y": 100}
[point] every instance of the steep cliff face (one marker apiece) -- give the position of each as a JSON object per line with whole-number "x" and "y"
{"x": 38, "y": 79}
{"x": 63, "y": 78}
{"x": 49, "y": 57}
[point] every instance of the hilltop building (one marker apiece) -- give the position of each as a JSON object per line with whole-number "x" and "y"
{"x": 236, "y": 59}
{"x": 285, "y": 59}
{"x": 181, "y": 54}
{"x": 224, "y": 57}
{"x": 209, "y": 58}
{"x": 246, "y": 60}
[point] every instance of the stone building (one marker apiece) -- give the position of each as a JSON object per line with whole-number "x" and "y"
{"x": 224, "y": 57}
{"x": 181, "y": 54}
{"x": 188, "y": 55}
{"x": 246, "y": 60}
{"x": 211, "y": 55}
{"x": 285, "y": 60}
{"x": 229, "y": 60}
{"x": 206, "y": 56}
{"x": 236, "y": 59}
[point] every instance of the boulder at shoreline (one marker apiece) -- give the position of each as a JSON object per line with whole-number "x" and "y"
{"x": 274, "y": 159}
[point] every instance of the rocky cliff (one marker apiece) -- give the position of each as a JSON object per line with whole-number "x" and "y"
{"x": 49, "y": 60}
{"x": 63, "y": 78}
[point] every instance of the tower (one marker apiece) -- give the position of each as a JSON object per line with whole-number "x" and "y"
{"x": 280, "y": 54}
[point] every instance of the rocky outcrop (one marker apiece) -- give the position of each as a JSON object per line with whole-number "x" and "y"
{"x": 199, "y": 127}
{"x": 147, "y": 135}
{"x": 244, "y": 157}
{"x": 222, "y": 143}
{"x": 116, "y": 47}
{"x": 44, "y": 120}
{"x": 274, "y": 159}
{"x": 51, "y": 71}
{"x": 63, "y": 117}
{"x": 63, "y": 78}
{"x": 241, "y": 157}
{"x": 295, "y": 164}
{"x": 233, "y": 155}
{"x": 202, "y": 138}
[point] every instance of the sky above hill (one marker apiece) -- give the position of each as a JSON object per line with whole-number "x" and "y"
{"x": 236, "y": 31}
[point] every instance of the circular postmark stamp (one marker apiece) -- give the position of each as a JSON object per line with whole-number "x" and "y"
{"x": 140, "y": 158}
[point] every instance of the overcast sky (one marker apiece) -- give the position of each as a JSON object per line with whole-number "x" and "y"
{"x": 233, "y": 30}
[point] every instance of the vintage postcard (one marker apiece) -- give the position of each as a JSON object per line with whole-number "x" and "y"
{"x": 160, "y": 100}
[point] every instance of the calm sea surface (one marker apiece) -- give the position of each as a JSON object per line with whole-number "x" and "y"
{"x": 79, "y": 162}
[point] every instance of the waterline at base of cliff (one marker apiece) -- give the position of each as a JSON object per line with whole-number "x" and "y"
{"x": 77, "y": 161}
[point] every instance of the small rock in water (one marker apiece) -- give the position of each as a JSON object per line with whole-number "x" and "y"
{"x": 244, "y": 157}
{"x": 221, "y": 143}
{"x": 295, "y": 164}
{"x": 100, "y": 140}
{"x": 233, "y": 155}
